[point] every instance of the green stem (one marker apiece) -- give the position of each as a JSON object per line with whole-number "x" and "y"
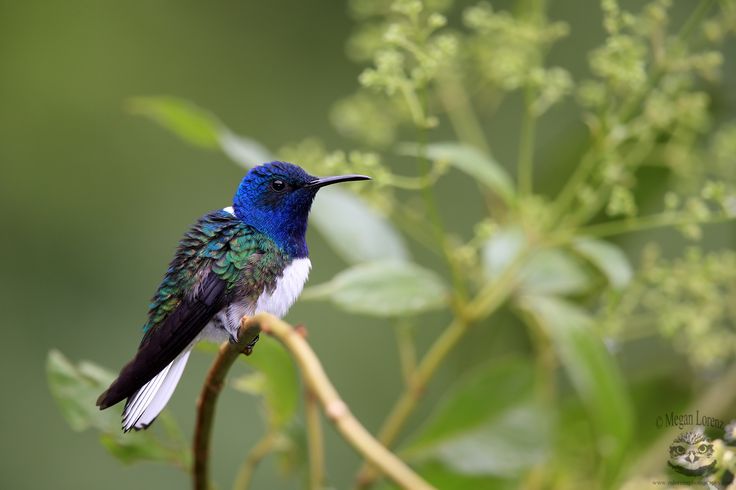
{"x": 430, "y": 203}
{"x": 494, "y": 294}
{"x": 315, "y": 441}
{"x": 406, "y": 404}
{"x": 585, "y": 213}
{"x": 460, "y": 113}
{"x": 181, "y": 456}
{"x": 525, "y": 164}
{"x": 206, "y": 404}
{"x": 695, "y": 19}
{"x": 464, "y": 120}
{"x": 647, "y": 223}
{"x": 245, "y": 474}
{"x": 592, "y": 157}
{"x": 581, "y": 173}
{"x": 407, "y": 350}
{"x": 416, "y": 183}
{"x": 546, "y": 359}
{"x": 334, "y": 407}
{"x": 415, "y": 107}
{"x": 424, "y": 372}
{"x": 485, "y": 303}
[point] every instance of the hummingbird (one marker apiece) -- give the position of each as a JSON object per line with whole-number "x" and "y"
{"x": 244, "y": 259}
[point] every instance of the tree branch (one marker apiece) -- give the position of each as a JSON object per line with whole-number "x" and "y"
{"x": 315, "y": 441}
{"x": 317, "y": 382}
{"x": 207, "y": 401}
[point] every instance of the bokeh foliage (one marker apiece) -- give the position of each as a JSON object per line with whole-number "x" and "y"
{"x": 561, "y": 410}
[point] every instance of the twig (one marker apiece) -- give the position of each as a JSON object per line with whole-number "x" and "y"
{"x": 460, "y": 111}
{"x": 316, "y": 380}
{"x": 485, "y": 303}
{"x": 254, "y": 457}
{"x": 641, "y": 223}
{"x": 525, "y": 162}
{"x": 414, "y": 390}
{"x": 407, "y": 351}
{"x": 207, "y": 401}
{"x": 335, "y": 409}
{"x": 315, "y": 441}
{"x": 588, "y": 163}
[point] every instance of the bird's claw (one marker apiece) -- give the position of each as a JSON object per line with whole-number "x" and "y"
{"x": 248, "y": 349}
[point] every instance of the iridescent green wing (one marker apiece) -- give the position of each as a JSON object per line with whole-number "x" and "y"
{"x": 210, "y": 267}
{"x": 207, "y": 242}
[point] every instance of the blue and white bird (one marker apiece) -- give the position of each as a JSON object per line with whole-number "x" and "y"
{"x": 234, "y": 262}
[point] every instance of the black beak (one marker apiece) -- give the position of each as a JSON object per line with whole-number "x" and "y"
{"x": 323, "y": 181}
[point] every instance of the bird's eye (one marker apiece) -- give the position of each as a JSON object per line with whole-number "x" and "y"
{"x": 278, "y": 185}
{"x": 680, "y": 450}
{"x": 703, "y": 448}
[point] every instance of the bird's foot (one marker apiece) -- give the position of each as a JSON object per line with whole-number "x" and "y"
{"x": 248, "y": 350}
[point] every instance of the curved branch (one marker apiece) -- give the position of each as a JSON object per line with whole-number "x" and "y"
{"x": 317, "y": 382}
{"x": 207, "y": 401}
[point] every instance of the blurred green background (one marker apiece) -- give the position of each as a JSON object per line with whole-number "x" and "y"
{"x": 93, "y": 200}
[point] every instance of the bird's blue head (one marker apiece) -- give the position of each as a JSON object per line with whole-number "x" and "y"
{"x": 275, "y": 198}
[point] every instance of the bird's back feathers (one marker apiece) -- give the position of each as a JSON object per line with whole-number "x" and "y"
{"x": 219, "y": 259}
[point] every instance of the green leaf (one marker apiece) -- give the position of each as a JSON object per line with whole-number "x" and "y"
{"x": 553, "y": 271}
{"x": 483, "y": 168}
{"x": 76, "y": 392}
{"x": 251, "y": 383}
{"x": 76, "y": 388}
{"x": 608, "y": 258}
{"x": 244, "y": 151}
{"x": 357, "y": 232}
{"x": 500, "y": 250}
{"x": 547, "y": 271}
{"x": 140, "y": 446}
{"x": 353, "y": 229}
{"x": 593, "y": 373}
{"x": 383, "y": 289}
{"x": 188, "y": 121}
{"x": 291, "y": 450}
{"x": 488, "y": 424}
{"x": 277, "y": 382}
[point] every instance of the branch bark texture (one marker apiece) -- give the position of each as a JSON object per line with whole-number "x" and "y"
{"x": 207, "y": 402}
{"x": 317, "y": 382}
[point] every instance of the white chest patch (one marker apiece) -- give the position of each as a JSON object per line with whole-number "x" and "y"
{"x": 288, "y": 288}
{"x": 229, "y": 209}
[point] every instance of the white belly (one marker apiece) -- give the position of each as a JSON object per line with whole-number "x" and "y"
{"x": 288, "y": 288}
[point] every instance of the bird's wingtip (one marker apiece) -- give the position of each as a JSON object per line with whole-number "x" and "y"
{"x": 102, "y": 401}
